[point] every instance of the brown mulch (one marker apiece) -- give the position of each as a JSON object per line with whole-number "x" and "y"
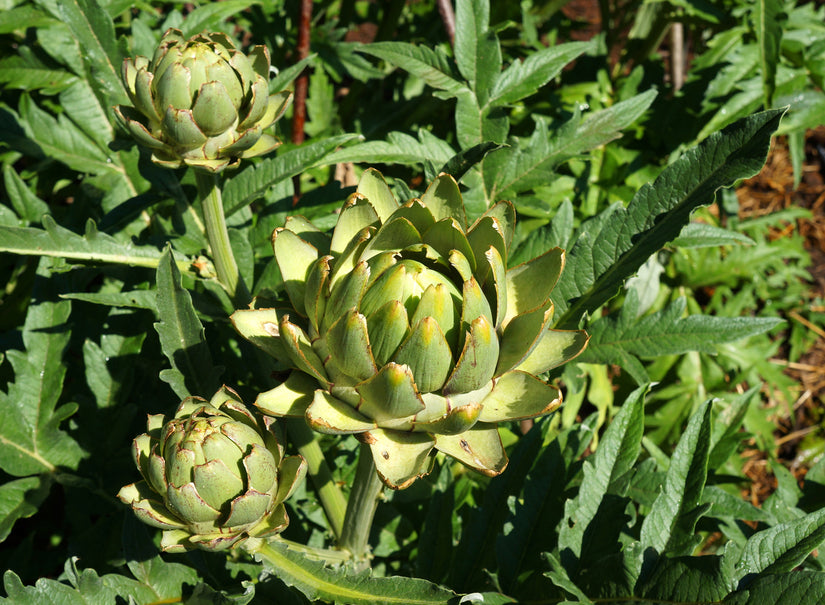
{"x": 770, "y": 191}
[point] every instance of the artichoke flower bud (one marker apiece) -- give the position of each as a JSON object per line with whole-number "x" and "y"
{"x": 214, "y": 476}
{"x": 408, "y": 329}
{"x": 201, "y": 102}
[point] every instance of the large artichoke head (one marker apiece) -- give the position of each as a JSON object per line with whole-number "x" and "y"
{"x": 408, "y": 329}
{"x": 201, "y": 102}
{"x": 214, "y": 476}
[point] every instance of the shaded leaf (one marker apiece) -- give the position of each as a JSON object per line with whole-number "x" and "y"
{"x": 20, "y": 499}
{"x": 182, "y": 337}
{"x": 669, "y": 528}
{"x": 30, "y": 440}
{"x": 615, "y": 456}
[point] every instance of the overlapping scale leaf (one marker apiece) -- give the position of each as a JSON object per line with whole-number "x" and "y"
{"x": 200, "y": 102}
{"x": 214, "y": 475}
{"x": 420, "y": 337}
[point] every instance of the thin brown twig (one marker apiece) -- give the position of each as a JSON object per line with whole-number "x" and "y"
{"x": 807, "y": 323}
{"x": 445, "y": 8}
{"x": 299, "y": 112}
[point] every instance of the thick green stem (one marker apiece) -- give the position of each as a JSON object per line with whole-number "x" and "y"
{"x": 363, "y": 500}
{"x": 209, "y": 192}
{"x": 332, "y": 499}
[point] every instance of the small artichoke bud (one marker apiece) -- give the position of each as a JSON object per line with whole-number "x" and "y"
{"x": 201, "y": 102}
{"x": 214, "y": 476}
{"x": 408, "y": 328}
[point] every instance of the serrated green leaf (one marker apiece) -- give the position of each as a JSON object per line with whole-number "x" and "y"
{"x": 94, "y": 246}
{"x": 182, "y": 337}
{"x": 161, "y": 580}
{"x": 26, "y": 72}
{"x": 532, "y": 162}
{"x": 106, "y": 374}
{"x": 59, "y": 138}
{"x": 399, "y": 148}
{"x": 781, "y": 548}
{"x": 616, "y": 454}
{"x": 85, "y": 587}
{"x": 431, "y": 65}
{"x": 463, "y": 161}
{"x": 768, "y": 21}
{"x": 28, "y": 206}
{"x": 286, "y": 76}
{"x": 20, "y": 499}
{"x": 94, "y": 29}
{"x": 316, "y": 581}
{"x": 559, "y": 576}
{"x": 669, "y": 528}
{"x": 727, "y": 433}
{"x": 702, "y": 235}
{"x": 133, "y": 299}
{"x": 30, "y": 441}
{"x": 623, "y": 337}
{"x": 524, "y": 78}
{"x": 724, "y": 504}
{"x": 608, "y": 252}
{"x": 539, "y": 507}
{"x": 208, "y": 17}
{"x": 687, "y": 580}
{"x": 254, "y": 181}
{"x": 22, "y": 17}
{"x": 476, "y": 48}
{"x": 92, "y": 118}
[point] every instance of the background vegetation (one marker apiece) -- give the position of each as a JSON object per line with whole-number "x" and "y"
{"x": 686, "y": 464}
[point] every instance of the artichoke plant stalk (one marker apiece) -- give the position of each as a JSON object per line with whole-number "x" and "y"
{"x": 363, "y": 500}
{"x": 209, "y": 192}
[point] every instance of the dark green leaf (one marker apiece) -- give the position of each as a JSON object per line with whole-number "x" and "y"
{"x": 532, "y": 162}
{"x": 254, "y": 182}
{"x": 768, "y": 21}
{"x": 30, "y": 440}
{"x": 799, "y": 588}
{"x": 20, "y": 499}
{"x": 430, "y": 65}
{"x": 459, "y": 164}
{"x": 702, "y": 235}
{"x": 477, "y": 51}
{"x": 182, "y": 337}
{"x": 615, "y": 456}
{"x": 669, "y": 528}
{"x": 94, "y": 29}
{"x": 608, "y": 252}
{"x": 524, "y": 78}
{"x": 781, "y": 548}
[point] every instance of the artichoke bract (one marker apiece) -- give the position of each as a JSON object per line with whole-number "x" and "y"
{"x": 201, "y": 102}
{"x": 214, "y": 476}
{"x": 408, "y": 329}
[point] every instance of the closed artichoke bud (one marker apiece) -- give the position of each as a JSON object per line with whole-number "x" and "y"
{"x": 201, "y": 102}
{"x": 408, "y": 328}
{"x": 214, "y": 476}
